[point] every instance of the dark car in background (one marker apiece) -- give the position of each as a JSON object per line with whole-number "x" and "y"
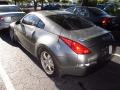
{"x": 4, "y": 2}
{"x": 51, "y": 7}
{"x": 64, "y": 43}
{"x": 96, "y": 15}
{"x": 8, "y": 14}
{"x": 108, "y": 7}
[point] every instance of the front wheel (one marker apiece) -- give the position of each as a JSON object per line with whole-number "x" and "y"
{"x": 48, "y": 64}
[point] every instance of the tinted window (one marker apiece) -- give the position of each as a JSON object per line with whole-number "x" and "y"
{"x": 70, "y": 22}
{"x": 27, "y": 20}
{"x": 9, "y": 9}
{"x": 33, "y": 20}
{"x": 97, "y": 11}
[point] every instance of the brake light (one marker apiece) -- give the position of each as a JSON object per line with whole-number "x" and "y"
{"x": 1, "y": 18}
{"x": 105, "y": 21}
{"x": 75, "y": 46}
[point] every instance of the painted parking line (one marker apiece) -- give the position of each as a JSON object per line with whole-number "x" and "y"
{"x": 6, "y": 79}
{"x": 118, "y": 55}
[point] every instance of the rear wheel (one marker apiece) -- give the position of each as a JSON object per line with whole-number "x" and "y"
{"x": 47, "y": 60}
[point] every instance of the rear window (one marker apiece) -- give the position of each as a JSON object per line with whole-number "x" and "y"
{"x": 9, "y": 9}
{"x": 97, "y": 11}
{"x": 70, "y": 22}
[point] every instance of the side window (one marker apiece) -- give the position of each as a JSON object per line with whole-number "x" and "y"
{"x": 40, "y": 24}
{"x": 27, "y": 20}
{"x": 33, "y": 20}
{"x": 30, "y": 20}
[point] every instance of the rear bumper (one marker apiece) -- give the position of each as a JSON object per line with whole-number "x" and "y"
{"x": 85, "y": 69}
{"x": 83, "y": 65}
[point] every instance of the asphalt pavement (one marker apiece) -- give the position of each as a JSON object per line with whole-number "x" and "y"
{"x": 19, "y": 70}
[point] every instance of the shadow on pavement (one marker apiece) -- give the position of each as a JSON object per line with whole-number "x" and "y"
{"x": 6, "y": 37}
{"x": 107, "y": 78}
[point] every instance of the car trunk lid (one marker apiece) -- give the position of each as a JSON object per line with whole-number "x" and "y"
{"x": 89, "y": 36}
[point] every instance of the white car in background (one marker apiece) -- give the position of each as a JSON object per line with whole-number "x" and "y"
{"x": 8, "y": 14}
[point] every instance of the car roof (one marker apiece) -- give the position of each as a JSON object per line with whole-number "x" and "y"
{"x": 53, "y": 12}
{"x": 7, "y": 5}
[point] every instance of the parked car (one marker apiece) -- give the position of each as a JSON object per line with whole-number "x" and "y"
{"x": 64, "y": 43}
{"x": 96, "y": 15}
{"x": 8, "y": 14}
{"x": 111, "y": 8}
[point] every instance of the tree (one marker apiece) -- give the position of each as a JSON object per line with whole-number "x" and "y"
{"x": 79, "y": 1}
{"x": 15, "y": 1}
{"x": 56, "y": 0}
{"x": 64, "y": 1}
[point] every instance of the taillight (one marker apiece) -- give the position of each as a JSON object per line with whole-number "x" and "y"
{"x": 105, "y": 21}
{"x": 75, "y": 46}
{"x": 1, "y": 18}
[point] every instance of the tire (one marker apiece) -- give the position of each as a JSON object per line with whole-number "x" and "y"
{"x": 12, "y": 36}
{"x": 47, "y": 60}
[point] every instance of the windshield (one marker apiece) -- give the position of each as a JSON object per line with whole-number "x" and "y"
{"x": 9, "y": 9}
{"x": 70, "y": 22}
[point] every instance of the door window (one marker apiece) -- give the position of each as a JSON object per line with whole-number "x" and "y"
{"x": 34, "y": 21}
{"x": 27, "y": 20}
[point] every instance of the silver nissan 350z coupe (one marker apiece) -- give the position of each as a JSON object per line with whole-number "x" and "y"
{"x": 63, "y": 42}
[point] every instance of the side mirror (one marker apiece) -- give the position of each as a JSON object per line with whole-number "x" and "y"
{"x": 17, "y": 22}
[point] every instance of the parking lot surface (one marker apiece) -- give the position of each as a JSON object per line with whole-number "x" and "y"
{"x": 21, "y": 71}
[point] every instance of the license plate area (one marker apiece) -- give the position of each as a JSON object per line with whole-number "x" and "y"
{"x": 110, "y": 49}
{"x": 106, "y": 51}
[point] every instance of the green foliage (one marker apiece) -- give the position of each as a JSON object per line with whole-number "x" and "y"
{"x": 79, "y": 1}
{"x": 56, "y": 0}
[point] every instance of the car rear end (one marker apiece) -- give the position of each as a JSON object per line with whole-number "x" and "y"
{"x": 8, "y": 14}
{"x": 96, "y": 48}
{"x": 82, "y": 46}
{"x": 103, "y": 19}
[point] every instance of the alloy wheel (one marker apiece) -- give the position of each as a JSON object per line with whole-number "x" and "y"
{"x": 47, "y": 63}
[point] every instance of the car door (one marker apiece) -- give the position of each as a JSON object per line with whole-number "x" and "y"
{"x": 30, "y": 30}
{"x": 33, "y": 31}
{"x": 24, "y": 30}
